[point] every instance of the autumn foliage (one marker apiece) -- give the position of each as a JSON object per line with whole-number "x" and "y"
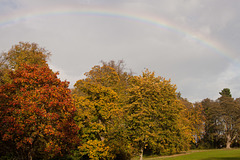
{"x": 22, "y": 53}
{"x": 154, "y": 119}
{"x": 110, "y": 114}
{"x": 142, "y": 114}
{"x": 98, "y": 108}
{"x": 36, "y": 114}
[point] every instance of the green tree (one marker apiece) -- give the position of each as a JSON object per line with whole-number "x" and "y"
{"x": 222, "y": 119}
{"x": 153, "y": 114}
{"x": 22, "y": 53}
{"x": 229, "y": 116}
{"x": 225, "y": 92}
{"x": 36, "y": 115}
{"x": 212, "y": 137}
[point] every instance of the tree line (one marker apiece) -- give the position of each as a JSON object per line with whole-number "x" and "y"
{"x": 110, "y": 114}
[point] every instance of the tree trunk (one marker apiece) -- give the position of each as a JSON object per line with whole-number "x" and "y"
{"x": 141, "y": 154}
{"x": 101, "y": 137}
{"x": 228, "y": 143}
{"x": 29, "y": 156}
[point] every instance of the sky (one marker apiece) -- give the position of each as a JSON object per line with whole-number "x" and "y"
{"x": 195, "y": 43}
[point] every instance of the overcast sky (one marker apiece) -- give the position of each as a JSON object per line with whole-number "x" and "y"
{"x": 195, "y": 43}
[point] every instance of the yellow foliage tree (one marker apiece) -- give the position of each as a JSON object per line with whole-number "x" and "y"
{"x": 99, "y": 111}
{"x": 154, "y": 115}
{"x": 193, "y": 119}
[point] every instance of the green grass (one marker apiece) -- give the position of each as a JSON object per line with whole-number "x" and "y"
{"x": 217, "y": 154}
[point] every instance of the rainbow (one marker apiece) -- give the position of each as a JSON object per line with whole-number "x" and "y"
{"x": 106, "y": 12}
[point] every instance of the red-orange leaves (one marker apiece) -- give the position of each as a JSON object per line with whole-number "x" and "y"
{"x": 33, "y": 106}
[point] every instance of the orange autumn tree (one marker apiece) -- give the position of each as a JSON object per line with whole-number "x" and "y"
{"x": 36, "y": 115}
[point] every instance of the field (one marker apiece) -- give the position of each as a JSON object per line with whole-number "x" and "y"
{"x": 220, "y": 154}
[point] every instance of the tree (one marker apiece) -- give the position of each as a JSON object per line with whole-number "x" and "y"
{"x": 222, "y": 119}
{"x": 24, "y": 52}
{"x": 225, "y": 92}
{"x": 123, "y": 75}
{"x": 100, "y": 114}
{"x": 229, "y": 116}
{"x": 212, "y": 137}
{"x": 153, "y": 114}
{"x": 36, "y": 114}
{"x": 194, "y": 119}
{"x": 96, "y": 112}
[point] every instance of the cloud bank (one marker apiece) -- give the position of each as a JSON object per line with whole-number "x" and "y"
{"x": 192, "y": 42}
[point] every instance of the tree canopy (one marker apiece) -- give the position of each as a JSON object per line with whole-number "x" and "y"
{"x": 22, "y": 53}
{"x": 98, "y": 111}
{"x": 110, "y": 114}
{"x": 36, "y": 114}
{"x": 222, "y": 120}
{"x": 154, "y": 115}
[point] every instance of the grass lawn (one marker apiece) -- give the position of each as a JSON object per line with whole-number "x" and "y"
{"x": 217, "y": 154}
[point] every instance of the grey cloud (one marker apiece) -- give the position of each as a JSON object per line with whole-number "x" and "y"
{"x": 78, "y": 42}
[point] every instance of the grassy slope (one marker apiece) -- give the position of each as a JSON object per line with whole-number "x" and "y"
{"x": 220, "y": 154}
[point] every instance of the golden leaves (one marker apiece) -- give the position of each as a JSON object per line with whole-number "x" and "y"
{"x": 153, "y": 112}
